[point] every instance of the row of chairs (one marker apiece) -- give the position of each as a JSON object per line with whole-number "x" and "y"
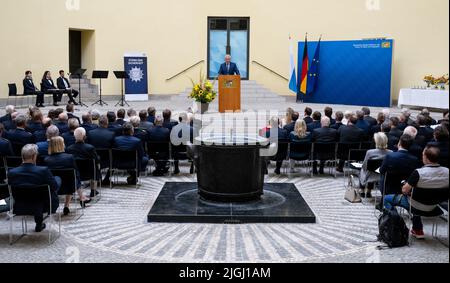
{"x": 331, "y": 153}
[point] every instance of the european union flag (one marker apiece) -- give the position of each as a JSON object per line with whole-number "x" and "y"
{"x": 313, "y": 74}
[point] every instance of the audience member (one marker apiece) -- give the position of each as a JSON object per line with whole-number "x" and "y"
{"x": 325, "y": 134}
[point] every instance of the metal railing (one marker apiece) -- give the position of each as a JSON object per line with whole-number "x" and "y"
{"x": 270, "y": 70}
{"x": 185, "y": 70}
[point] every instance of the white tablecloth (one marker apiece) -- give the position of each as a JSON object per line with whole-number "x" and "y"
{"x": 438, "y": 99}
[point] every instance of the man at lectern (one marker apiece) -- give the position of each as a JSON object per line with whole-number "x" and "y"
{"x": 228, "y": 68}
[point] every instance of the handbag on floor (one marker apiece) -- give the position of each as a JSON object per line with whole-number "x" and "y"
{"x": 352, "y": 194}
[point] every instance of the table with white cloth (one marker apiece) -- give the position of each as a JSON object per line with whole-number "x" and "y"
{"x": 429, "y": 98}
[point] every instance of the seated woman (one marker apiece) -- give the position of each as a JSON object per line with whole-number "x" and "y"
{"x": 58, "y": 159}
{"x": 366, "y": 178}
{"x": 300, "y": 134}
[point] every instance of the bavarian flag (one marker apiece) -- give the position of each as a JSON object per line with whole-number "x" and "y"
{"x": 303, "y": 80}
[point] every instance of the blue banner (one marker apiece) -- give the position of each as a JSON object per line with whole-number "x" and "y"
{"x": 352, "y": 72}
{"x": 136, "y": 87}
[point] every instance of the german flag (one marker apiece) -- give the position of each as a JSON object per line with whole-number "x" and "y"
{"x": 305, "y": 69}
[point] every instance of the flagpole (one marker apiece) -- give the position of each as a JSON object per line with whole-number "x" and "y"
{"x": 306, "y": 43}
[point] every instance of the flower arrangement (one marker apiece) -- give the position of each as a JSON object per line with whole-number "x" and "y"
{"x": 429, "y": 79}
{"x": 203, "y": 91}
{"x": 442, "y": 80}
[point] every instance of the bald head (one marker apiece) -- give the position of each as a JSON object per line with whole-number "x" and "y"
{"x": 63, "y": 117}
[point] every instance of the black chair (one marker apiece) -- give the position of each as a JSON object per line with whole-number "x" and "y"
{"x": 4, "y": 191}
{"x": 368, "y": 145}
{"x": 160, "y": 152}
{"x": 12, "y": 93}
{"x": 17, "y": 148}
{"x": 180, "y": 153}
{"x": 282, "y": 152}
{"x": 430, "y": 199}
{"x": 301, "y": 152}
{"x": 29, "y": 201}
{"x": 69, "y": 186}
{"x": 12, "y": 162}
{"x": 354, "y": 156}
{"x": 105, "y": 158}
{"x": 125, "y": 160}
{"x": 3, "y": 170}
{"x": 325, "y": 152}
{"x": 89, "y": 171}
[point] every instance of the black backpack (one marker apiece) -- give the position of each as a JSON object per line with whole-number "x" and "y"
{"x": 393, "y": 230}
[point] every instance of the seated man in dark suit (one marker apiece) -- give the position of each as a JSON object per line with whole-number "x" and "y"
{"x": 401, "y": 163}
{"x": 30, "y": 89}
{"x": 228, "y": 68}
{"x": 62, "y": 123}
{"x": 64, "y": 85}
{"x": 181, "y": 135}
{"x": 325, "y": 134}
{"x": 151, "y": 115}
{"x": 441, "y": 141}
{"x": 112, "y": 126}
{"x": 5, "y": 145}
{"x": 363, "y": 124}
{"x": 120, "y": 121}
{"x": 168, "y": 122}
{"x": 41, "y": 135}
{"x": 20, "y": 137}
{"x": 159, "y": 134}
{"x": 394, "y": 133}
{"x": 317, "y": 117}
{"x": 102, "y": 138}
{"x": 139, "y": 132}
{"x": 339, "y": 117}
{"x": 369, "y": 119}
{"x": 289, "y": 128}
{"x": 9, "y": 109}
{"x": 82, "y": 150}
{"x": 48, "y": 86}
{"x": 129, "y": 142}
{"x": 69, "y": 138}
{"x": 87, "y": 123}
{"x": 144, "y": 124}
{"x": 381, "y": 118}
{"x": 424, "y": 132}
{"x": 349, "y": 134}
{"x": 30, "y": 175}
{"x": 70, "y": 109}
{"x": 329, "y": 113}
{"x": 308, "y": 113}
{"x": 11, "y": 124}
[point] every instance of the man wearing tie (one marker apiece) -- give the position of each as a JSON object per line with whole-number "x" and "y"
{"x": 30, "y": 89}
{"x": 64, "y": 84}
{"x": 228, "y": 68}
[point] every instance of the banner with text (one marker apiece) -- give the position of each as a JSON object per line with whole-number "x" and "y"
{"x": 136, "y": 87}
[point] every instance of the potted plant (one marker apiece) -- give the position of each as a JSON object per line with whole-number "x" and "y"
{"x": 203, "y": 93}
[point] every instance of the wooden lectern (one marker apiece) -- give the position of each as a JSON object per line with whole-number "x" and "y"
{"x": 229, "y": 93}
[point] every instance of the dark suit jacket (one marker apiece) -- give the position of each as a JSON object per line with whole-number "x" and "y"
{"x": 282, "y": 134}
{"x": 101, "y": 138}
{"x": 60, "y": 83}
{"x": 350, "y": 134}
{"x": 365, "y": 126}
{"x": 396, "y": 132}
{"x": 116, "y": 129}
{"x": 130, "y": 143}
{"x": 9, "y": 125}
{"x": 323, "y": 135}
{"x": 170, "y": 124}
{"x": 158, "y": 134}
{"x": 425, "y": 135}
{"x": 63, "y": 161}
{"x": 63, "y": 127}
{"x": 151, "y": 119}
{"x": 372, "y": 121}
{"x": 83, "y": 151}
{"x": 28, "y": 87}
{"x": 30, "y": 175}
{"x": 336, "y": 126}
{"x": 46, "y": 85}
{"x": 119, "y": 123}
{"x": 5, "y": 148}
{"x": 34, "y": 126}
{"x": 308, "y": 120}
{"x": 5, "y": 118}
{"x": 232, "y": 71}
{"x": 289, "y": 127}
{"x": 314, "y": 125}
{"x": 400, "y": 162}
{"x": 20, "y": 136}
{"x": 89, "y": 127}
{"x": 69, "y": 138}
{"x": 40, "y": 135}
